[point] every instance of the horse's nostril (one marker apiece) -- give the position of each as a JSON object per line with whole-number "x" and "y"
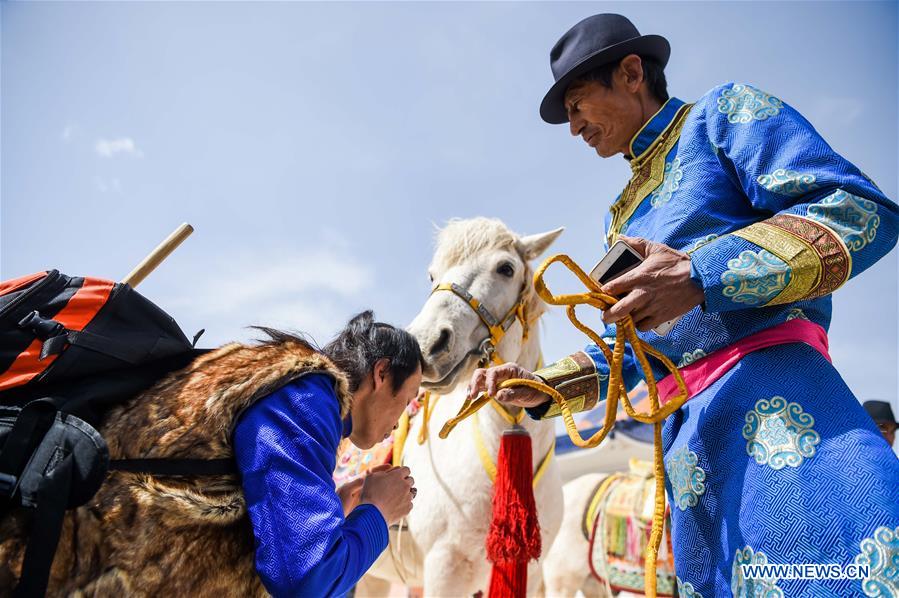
{"x": 442, "y": 343}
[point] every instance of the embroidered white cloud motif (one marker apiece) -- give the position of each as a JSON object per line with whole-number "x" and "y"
{"x": 744, "y": 103}
{"x": 854, "y": 218}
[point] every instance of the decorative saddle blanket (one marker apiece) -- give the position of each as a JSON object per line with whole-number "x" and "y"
{"x": 617, "y": 523}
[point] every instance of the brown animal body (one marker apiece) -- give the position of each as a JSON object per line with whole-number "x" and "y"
{"x": 143, "y": 535}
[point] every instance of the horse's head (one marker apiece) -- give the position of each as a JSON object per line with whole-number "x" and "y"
{"x": 477, "y": 262}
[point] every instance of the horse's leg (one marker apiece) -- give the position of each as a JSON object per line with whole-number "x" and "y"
{"x": 593, "y": 588}
{"x": 565, "y": 567}
{"x": 372, "y": 587}
{"x": 450, "y": 573}
{"x": 535, "y": 580}
{"x": 565, "y": 584}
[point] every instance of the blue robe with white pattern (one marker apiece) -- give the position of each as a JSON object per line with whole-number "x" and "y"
{"x": 285, "y": 446}
{"x": 776, "y": 462}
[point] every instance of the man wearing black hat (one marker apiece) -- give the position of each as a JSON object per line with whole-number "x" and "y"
{"x": 882, "y": 414}
{"x": 747, "y": 221}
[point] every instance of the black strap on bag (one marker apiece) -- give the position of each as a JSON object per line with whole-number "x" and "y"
{"x": 101, "y": 344}
{"x": 175, "y": 466}
{"x": 52, "y": 461}
{"x": 88, "y": 340}
{"x": 46, "y": 527}
{"x": 31, "y": 424}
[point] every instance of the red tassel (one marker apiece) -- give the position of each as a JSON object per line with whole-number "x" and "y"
{"x": 514, "y": 536}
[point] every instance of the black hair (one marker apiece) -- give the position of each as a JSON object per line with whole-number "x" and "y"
{"x": 653, "y": 76}
{"x": 363, "y": 342}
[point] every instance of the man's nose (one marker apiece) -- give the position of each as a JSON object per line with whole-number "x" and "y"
{"x": 576, "y": 124}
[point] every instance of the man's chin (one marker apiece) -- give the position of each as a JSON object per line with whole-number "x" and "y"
{"x": 362, "y": 443}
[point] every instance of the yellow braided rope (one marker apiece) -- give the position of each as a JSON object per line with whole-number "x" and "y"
{"x": 427, "y": 408}
{"x": 428, "y": 401}
{"x": 399, "y": 439}
{"x": 625, "y": 333}
{"x": 504, "y": 413}
{"x": 487, "y": 461}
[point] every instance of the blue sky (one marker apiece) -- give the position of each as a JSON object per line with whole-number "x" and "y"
{"x": 314, "y": 146}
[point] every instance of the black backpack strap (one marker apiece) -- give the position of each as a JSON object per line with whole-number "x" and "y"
{"x": 32, "y": 424}
{"x": 46, "y": 526}
{"x": 175, "y": 466}
{"x": 56, "y": 338}
{"x": 53, "y": 462}
{"x": 125, "y": 351}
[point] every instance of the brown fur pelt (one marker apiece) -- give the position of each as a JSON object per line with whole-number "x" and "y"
{"x": 143, "y": 535}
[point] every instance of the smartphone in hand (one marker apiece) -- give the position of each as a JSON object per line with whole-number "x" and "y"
{"x": 620, "y": 259}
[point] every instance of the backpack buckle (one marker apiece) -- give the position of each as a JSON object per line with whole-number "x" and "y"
{"x": 41, "y": 327}
{"x": 8, "y": 485}
{"x": 51, "y": 332}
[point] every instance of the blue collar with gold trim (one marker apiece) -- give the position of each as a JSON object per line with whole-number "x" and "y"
{"x": 654, "y": 127}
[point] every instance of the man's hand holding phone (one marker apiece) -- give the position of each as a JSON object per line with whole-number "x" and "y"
{"x": 655, "y": 291}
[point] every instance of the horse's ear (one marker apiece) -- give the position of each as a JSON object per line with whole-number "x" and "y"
{"x": 533, "y": 246}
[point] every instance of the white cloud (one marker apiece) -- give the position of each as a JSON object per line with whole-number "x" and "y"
{"x": 311, "y": 290}
{"x": 319, "y": 318}
{"x": 104, "y": 185}
{"x": 68, "y": 132}
{"x": 292, "y": 275}
{"x": 107, "y": 148}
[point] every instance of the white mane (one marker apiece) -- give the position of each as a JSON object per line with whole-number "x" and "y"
{"x": 461, "y": 239}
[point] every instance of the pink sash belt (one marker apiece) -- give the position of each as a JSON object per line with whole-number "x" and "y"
{"x": 704, "y": 372}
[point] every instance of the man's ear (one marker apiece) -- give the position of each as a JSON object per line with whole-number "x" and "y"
{"x": 381, "y": 372}
{"x": 631, "y": 71}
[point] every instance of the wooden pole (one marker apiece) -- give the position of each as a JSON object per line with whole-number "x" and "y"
{"x": 155, "y": 258}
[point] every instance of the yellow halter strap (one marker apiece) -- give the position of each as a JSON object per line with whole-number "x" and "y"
{"x": 496, "y": 328}
{"x": 625, "y": 333}
{"x": 487, "y": 460}
{"x": 429, "y": 400}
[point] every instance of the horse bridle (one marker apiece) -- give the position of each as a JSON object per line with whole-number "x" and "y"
{"x": 496, "y": 328}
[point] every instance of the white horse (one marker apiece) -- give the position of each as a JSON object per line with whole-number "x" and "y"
{"x": 443, "y": 549}
{"x": 566, "y": 570}
{"x": 565, "y": 567}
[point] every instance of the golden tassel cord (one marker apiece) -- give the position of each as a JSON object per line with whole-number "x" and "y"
{"x": 427, "y": 406}
{"x": 625, "y": 333}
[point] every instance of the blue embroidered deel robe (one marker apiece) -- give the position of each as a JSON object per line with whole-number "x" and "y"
{"x": 286, "y": 450}
{"x": 776, "y": 462}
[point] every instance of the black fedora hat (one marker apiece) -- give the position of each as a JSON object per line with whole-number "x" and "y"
{"x": 880, "y": 411}
{"x": 593, "y": 42}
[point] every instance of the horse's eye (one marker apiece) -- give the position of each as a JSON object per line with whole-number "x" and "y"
{"x": 506, "y": 270}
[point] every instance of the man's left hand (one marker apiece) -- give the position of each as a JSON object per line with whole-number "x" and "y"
{"x": 657, "y": 290}
{"x": 351, "y": 492}
{"x": 349, "y": 495}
